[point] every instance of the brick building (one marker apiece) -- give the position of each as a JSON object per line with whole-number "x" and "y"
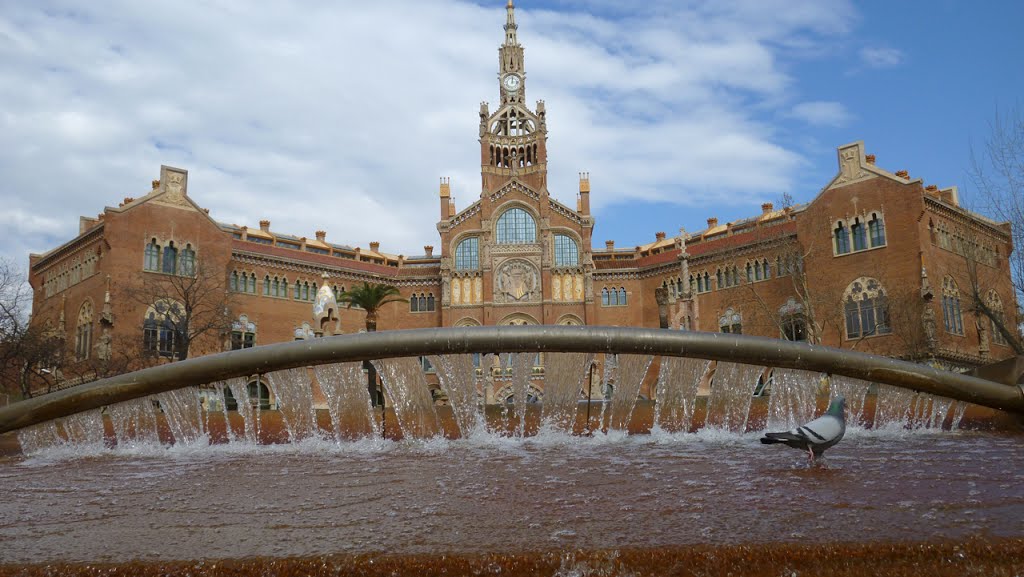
{"x": 877, "y": 261}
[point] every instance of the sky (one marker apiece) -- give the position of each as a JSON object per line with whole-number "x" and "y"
{"x": 342, "y": 115}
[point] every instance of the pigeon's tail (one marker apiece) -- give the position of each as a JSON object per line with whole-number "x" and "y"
{"x": 772, "y": 438}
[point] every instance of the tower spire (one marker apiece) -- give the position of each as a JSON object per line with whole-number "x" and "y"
{"x": 510, "y": 25}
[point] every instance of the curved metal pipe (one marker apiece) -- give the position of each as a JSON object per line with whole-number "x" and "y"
{"x": 540, "y": 338}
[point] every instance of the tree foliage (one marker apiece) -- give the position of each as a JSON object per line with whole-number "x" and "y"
{"x": 370, "y": 297}
{"x": 193, "y": 307}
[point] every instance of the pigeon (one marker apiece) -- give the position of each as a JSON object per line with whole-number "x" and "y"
{"x": 816, "y": 436}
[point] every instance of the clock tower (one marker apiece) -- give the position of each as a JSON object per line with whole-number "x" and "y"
{"x": 513, "y": 138}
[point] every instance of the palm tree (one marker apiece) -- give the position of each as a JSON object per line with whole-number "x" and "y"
{"x": 371, "y": 297}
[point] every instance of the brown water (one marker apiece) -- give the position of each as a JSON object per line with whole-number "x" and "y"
{"x": 534, "y": 500}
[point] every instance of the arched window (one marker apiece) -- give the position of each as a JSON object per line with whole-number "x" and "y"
{"x": 767, "y": 269}
{"x": 622, "y": 296}
{"x": 952, "y": 317}
{"x": 605, "y": 297}
{"x": 430, "y": 302}
{"x": 731, "y": 322}
{"x": 423, "y": 302}
{"x": 243, "y": 333}
{"x": 266, "y": 286}
{"x": 793, "y": 321}
{"x": 467, "y": 254}
{"x": 259, "y": 394}
{"x": 163, "y": 328}
{"x": 516, "y": 226}
{"x": 188, "y": 261}
{"x": 83, "y": 333}
{"x": 414, "y": 304}
{"x": 567, "y": 252}
{"x": 275, "y": 287}
{"x": 866, "y": 309}
{"x": 876, "y": 230}
{"x": 995, "y": 304}
{"x": 719, "y": 279}
{"x": 707, "y": 282}
{"x": 842, "y": 239}
{"x": 152, "y": 261}
{"x": 252, "y": 283}
{"x": 170, "y": 259}
{"x": 233, "y": 281}
{"x": 860, "y": 238}
{"x": 750, "y": 273}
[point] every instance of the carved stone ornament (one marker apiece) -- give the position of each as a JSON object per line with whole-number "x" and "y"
{"x": 850, "y": 169}
{"x": 517, "y": 281}
{"x": 175, "y": 185}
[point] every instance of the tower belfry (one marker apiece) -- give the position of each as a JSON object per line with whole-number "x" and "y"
{"x": 513, "y": 138}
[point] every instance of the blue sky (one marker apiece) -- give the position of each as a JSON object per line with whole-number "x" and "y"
{"x": 341, "y": 116}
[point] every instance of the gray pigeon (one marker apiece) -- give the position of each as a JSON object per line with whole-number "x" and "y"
{"x": 816, "y": 436}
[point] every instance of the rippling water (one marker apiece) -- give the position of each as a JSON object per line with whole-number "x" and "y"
{"x": 494, "y": 494}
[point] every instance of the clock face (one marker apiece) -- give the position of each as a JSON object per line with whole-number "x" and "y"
{"x": 511, "y": 82}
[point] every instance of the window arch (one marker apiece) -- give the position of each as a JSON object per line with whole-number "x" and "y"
{"x": 842, "y": 239}
{"x": 188, "y": 261}
{"x": 995, "y": 304}
{"x": 793, "y": 321}
{"x": 422, "y": 302}
{"x": 951, "y": 314}
{"x": 876, "y": 230}
{"x": 731, "y": 322}
{"x": 83, "y": 332}
{"x": 243, "y": 333}
{"x": 866, "y": 309}
{"x": 170, "y": 259}
{"x": 152, "y": 261}
{"x": 162, "y": 329}
{"x": 567, "y": 252}
{"x": 467, "y": 254}
{"x": 516, "y": 226}
{"x": 252, "y": 283}
{"x": 860, "y": 237}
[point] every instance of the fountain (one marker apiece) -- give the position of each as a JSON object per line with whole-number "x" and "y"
{"x": 172, "y": 482}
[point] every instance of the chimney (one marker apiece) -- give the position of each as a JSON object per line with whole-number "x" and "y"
{"x": 428, "y": 250}
{"x": 903, "y": 174}
{"x": 712, "y": 222}
{"x": 659, "y": 236}
{"x": 950, "y": 195}
{"x": 609, "y": 245}
{"x": 375, "y": 246}
{"x": 446, "y": 194}
{"x": 767, "y": 207}
{"x": 321, "y": 235}
{"x": 265, "y": 225}
{"x": 870, "y": 158}
{"x": 584, "y": 202}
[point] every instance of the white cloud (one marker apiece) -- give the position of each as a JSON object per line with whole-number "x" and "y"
{"x": 821, "y": 113}
{"x": 881, "y": 57}
{"x": 359, "y": 107}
